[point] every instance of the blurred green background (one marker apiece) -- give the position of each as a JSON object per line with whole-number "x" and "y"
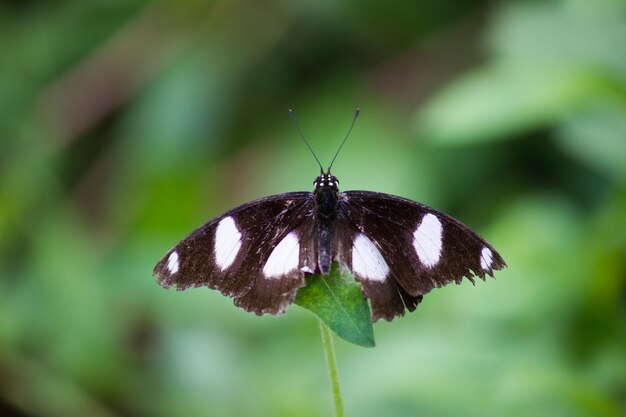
{"x": 126, "y": 124}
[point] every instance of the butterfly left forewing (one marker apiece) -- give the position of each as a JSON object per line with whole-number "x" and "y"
{"x": 246, "y": 253}
{"x": 422, "y": 247}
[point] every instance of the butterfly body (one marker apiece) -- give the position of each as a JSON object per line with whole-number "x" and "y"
{"x": 259, "y": 253}
{"x": 326, "y": 197}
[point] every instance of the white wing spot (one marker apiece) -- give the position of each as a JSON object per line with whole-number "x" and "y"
{"x": 486, "y": 258}
{"x": 427, "y": 240}
{"x": 227, "y": 242}
{"x": 367, "y": 261}
{"x": 172, "y": 263}
{"x": 284, "y": 258}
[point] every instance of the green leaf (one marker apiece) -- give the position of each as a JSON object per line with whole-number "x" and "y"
{"x": 540, "y": 72}
{"x": 501, "y": 100}
{"x": 337, "y": 300}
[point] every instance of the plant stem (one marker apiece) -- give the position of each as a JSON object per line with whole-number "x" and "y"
{"x": 329, "y": 350}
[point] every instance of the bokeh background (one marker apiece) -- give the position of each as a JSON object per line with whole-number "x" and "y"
{"x": 126, "y": 124}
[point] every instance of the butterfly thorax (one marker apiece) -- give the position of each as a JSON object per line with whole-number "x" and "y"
{"x": 326, "y": 196}
{"x": 326, "y": 202}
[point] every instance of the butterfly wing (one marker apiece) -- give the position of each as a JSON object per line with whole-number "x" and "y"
{"x": 355, "y": 251}
{"x": 251, "y": 253}
{"x": 403, "y": 249}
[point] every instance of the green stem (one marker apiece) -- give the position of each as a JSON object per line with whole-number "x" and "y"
{"x": 329, "y": 350}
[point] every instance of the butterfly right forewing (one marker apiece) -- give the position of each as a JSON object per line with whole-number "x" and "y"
{"x": 234, "y": 253}
{"x": 422, "y": 247}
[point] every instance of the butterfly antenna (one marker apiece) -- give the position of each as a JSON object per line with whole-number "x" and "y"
{"x": 295, "y": 122}
{"x": 356, "y": 114}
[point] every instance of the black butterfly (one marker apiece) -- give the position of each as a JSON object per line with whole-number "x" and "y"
{"x": 260, "y": 252}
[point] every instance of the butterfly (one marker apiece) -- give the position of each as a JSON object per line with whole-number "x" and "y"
{"x": 260, "y": 252}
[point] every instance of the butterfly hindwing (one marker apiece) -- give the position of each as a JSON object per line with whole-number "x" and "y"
{"x": 251, "y": 253}
{"x": 421, "y": 247}
{"x": 356, "y": 252}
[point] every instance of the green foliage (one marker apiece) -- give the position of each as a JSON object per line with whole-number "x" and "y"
{"x": 126, "y": 124}
{"x": 551, "y": 59}
{"x": 337, "y": 300}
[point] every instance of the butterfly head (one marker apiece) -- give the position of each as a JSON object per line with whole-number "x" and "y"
{"x": 326, "y": 180}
